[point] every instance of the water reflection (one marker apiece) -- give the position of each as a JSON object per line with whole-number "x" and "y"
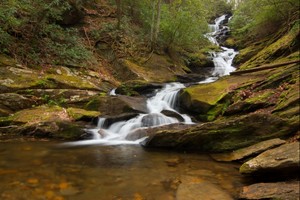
{"x": 44, "y": 170}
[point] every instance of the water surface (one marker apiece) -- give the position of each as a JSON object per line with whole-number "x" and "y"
{"x": 39, "y": 170}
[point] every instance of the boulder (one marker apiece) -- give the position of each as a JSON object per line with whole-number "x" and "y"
{"x": 49, "y": 122}
{"x": 109, "y": 120}
{"x": 283, "y": 160}
{"x": 117, "y": 105}
{"x": 279, "y": 190}
{"x": 248, "y": 151}
{"x": 173, "y": 114}
{"x": 78, "y": 114}
{"x": 222, "y": 135}
{"x": 201, "y": 98}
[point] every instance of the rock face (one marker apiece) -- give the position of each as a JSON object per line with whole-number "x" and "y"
{"x": 280, "y": 190}
{"x": 248, "y": 151}
{"x": 220, "y": 136}
{"x": 283, "y": 159}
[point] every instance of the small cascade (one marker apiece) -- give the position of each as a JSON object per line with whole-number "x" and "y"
{"x": 116, "y": 133}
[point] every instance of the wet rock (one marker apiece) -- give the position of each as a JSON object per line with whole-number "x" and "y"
{"x": 196, "y": 189}
{"x": 248, "y": 151}
{"x": 109, "y": 120}
{"x": 283, "y": 159}
{"x": 143, "y": 132}
{"x": 279, "y": 190}
{"x": 173, "y": 114}
{"x": 171, "y": 184}
{"x": 222, "y": 135}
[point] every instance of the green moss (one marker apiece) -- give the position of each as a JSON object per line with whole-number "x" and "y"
{"x": 80, "y": 114}
{"x": 261, "y": 97}
{"x": 272, "y": 51}
{"x": 5, "y": 121}
{"x": 37, "y": 114}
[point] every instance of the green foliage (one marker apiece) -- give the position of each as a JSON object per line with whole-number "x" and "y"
{"x": 30, "y": 31}
{"x": 183, "y": 24}
{"x": 260, "y": 18}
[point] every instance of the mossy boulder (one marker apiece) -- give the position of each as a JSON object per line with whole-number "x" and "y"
{"x": 49, "y": 122}
{"x": 223, "y": 134}
{"x": 201, "y": 98}
{"x": 80, "y": 114}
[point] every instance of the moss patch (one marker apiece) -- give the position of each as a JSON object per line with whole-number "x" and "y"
{"x": 80, "y": 114}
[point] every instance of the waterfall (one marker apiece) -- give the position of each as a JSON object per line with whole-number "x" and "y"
{"x": 164, "y": 100}
{"x": 223, "y": 59}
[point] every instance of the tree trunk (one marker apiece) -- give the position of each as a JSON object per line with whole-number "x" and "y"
{"x": 118, "y": 3}
{"x": 157, "y": 23}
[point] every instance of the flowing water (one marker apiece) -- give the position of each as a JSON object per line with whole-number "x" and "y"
{"x": 164, "y": 100}
{"x": 44, "y": 171}
{"x": 112, "y": 170}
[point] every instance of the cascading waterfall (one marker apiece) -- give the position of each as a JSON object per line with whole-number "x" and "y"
{"x": 224, "y": 58}
{"x": 116, "y": 133}
{"x": 164, "y": 100}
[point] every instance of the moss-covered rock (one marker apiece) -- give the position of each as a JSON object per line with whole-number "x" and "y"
{"x": 81, "y": 114}
{"x": 223, "y": 135}
{"x": 48, "y": 122}
{"x": 270, "y": 52}
{"x": 201, "y": 98}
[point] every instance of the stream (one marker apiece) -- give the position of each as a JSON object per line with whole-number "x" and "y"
{"x": 164, "y": 100}
{"x": 106, "y": 167}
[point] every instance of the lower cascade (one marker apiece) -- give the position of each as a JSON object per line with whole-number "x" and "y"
{"x": 164, "y": 100}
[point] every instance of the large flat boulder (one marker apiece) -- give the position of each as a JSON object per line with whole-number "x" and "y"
{"x": 279, "y": 190}
{"x": 283, "y": 159}
{"x": 223, "y": 135}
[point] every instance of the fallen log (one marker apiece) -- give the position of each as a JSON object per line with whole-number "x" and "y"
{"x": 264, "y": 67}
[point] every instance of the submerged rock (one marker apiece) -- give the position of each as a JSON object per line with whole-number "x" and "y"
{"x": 279, "y": 190}
{"x": 283, "y": 159}
{"x": 195, "y": 189}
{"x": 248, "y": 151}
